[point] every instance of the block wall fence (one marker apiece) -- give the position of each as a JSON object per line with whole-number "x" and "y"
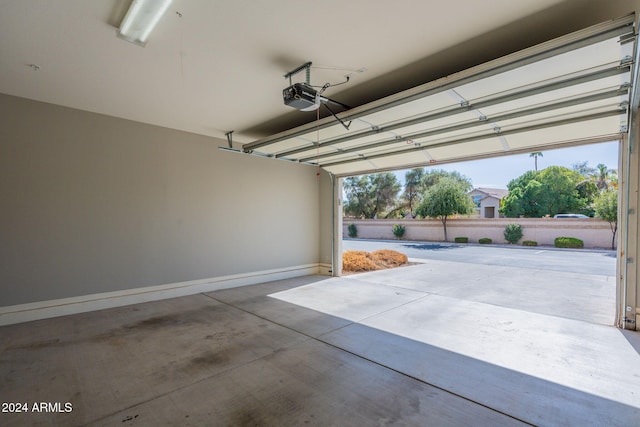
{"x": 595, "y": 233}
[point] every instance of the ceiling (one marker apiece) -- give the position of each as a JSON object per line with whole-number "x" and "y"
{"x": 218, "y": 66}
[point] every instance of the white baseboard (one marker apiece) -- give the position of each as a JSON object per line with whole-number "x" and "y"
{"x": 325, "y": 269}
{"x": 65, "y": 306}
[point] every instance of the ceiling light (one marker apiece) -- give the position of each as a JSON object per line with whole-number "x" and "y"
{"x": 141, "y": 18}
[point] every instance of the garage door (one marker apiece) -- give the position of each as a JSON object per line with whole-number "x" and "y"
{"x": 568, "y": 91}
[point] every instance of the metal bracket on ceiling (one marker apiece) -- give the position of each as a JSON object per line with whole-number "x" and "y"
{"x": 230, "y": 138}
{"x": 306, "y": 66}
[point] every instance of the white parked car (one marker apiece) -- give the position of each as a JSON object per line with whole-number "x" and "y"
{"x": 570, "y": 215}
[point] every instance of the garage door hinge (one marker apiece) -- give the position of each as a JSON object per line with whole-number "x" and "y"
{"x": 626, "y": 61}
{"x": 627, "y": 320}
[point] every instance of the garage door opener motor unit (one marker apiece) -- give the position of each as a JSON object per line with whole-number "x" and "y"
{"x": 303, "y": 97}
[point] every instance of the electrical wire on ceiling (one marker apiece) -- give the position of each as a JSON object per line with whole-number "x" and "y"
{"x": 328, "y": 85}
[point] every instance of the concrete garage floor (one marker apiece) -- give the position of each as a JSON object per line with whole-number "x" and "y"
{"x": 371, "y": 349}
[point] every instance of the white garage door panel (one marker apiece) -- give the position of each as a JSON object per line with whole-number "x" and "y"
{"x": 567, "y": 91}
{"x": 429, "y": 104}
{"x": 610, "y": 85}
{"x": 560, "y": 114}
{"x": 289, "y": 144}
{"x": 475, "y": 148}
{"x": 570, "y": 62}
{"x": 567, "y": 133}
{"x": 347, "y": 169}
{"x": 438, "y": 124}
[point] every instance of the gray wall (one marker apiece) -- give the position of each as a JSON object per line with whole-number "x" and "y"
{"x": 93, "y": 204}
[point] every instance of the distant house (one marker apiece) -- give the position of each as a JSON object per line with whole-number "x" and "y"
{"x": 487, "y": 201}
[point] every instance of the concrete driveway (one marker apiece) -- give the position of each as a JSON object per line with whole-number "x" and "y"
{"x": 564, "y": 283}
{"x": 586, "y": 261}
{"x": 534, "y": 343}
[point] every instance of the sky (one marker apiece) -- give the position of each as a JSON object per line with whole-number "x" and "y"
{"x": 498, "y": 171}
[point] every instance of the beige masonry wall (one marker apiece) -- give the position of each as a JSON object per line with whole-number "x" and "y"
{"x": 94, "y": 204}
{"x": 595, "y": 233}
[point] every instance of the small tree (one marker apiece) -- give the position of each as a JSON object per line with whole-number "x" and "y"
{"x": 352, "y": 230}
{"x": 398, "y": 230}
{"x": 606, "y": 207}
{"x": 513, "y": 233}
{"x": 444, "y": 199}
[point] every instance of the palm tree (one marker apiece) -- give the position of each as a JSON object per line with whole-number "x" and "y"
{"x": 535, "y": 156}
{"x": 604, "y": 176}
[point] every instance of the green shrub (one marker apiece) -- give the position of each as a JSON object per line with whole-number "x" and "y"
{"x": 398, "y": 230}
{"x": 529, "y": 243}
{"x": 485, "y": 241}
{"x": 513, "y": 233}
{"x": 568, "y": 242}
{"x": 461, "y": 239}
{"x": 352, "y": 230}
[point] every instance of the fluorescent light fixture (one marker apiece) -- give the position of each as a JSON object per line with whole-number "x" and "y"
{"x": 140, "y": 20}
